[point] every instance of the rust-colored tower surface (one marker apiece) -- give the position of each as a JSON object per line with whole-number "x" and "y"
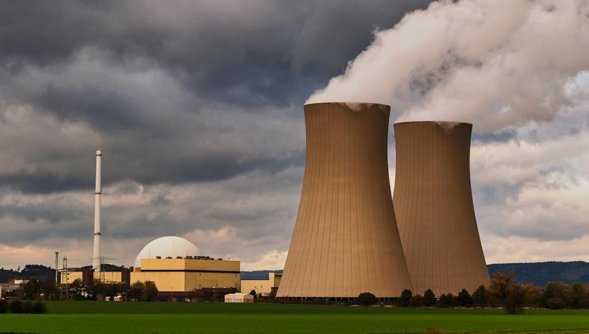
{"x": 434, "y": 208}
{"x": 345, "y": 239}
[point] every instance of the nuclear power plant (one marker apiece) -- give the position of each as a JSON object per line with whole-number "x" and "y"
{"x": 350, "y": 238}
{"x": 345, "y": 239}
{"x": 434, "y": 208}
{"x": 351, "y": 235}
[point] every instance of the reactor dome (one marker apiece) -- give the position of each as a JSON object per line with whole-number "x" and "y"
{"x": 166, "y": 247}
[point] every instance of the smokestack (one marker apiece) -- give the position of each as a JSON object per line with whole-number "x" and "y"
{"x": 345, "y": 239}
{"x": 434, "y": 208}
{"x": 56, "y": 269}
{"x": 97, "y": 193}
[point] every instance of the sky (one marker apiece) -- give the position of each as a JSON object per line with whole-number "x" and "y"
{"x": 197, "y": 107}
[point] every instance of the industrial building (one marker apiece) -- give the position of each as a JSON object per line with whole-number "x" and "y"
{"x": 87, "y": 275}
{"x": 345, "y": 239}
{"x": 264, "y": 283}
{"x": 176, "y": 270}
{"x": 434, "y": 208}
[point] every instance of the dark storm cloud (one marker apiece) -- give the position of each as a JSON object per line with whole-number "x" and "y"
{"x": 146, "y": 76}
{"x": 241, "y": 52}
{"x": 197, "y": 106}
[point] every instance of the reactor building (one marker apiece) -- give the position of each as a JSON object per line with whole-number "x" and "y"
{"x": 345, "y": 239}
{"x": 434, "y": 208}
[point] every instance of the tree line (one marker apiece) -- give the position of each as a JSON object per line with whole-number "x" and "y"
{"x": 503, "y": 292}
{"x": 34, "y": 289}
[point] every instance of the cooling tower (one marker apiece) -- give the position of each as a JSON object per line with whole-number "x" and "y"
{"x": 434, "y": 209}
{"x": 345, "y": 239}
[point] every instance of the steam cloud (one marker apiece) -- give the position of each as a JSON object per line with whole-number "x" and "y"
{"x": 494, "y": 63}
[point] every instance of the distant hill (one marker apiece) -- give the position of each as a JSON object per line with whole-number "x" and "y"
{"x": 30, "y": 271}
{"x": 42, "y": 273}
{"x": 540, "y": 273}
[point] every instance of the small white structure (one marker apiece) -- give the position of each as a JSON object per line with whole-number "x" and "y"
{"x": 239, "y": 298}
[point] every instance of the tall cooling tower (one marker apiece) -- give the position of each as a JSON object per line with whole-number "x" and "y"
{"x": 434, "y": 209}
{"x": 345, "y": 239}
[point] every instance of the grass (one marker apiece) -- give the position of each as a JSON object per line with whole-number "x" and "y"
{"x": 97, "y": 317}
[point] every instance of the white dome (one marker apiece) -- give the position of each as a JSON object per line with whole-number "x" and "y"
{"x": 166, "y": 246}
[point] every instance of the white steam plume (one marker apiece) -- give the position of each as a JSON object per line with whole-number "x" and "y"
{"x": 494, "y": 63}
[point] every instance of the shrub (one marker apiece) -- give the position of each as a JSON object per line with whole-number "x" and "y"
{"x": 16, "y": 306}
{"x": 405, "y": 298}
{"x": 39, "y": 307}
{"x": 253, "y": 293}
{"x": 464, "y": 298}
{"x": 4, "y": 306}
{"x": 429, "y": 298}
{"x": 367, "y": 299}
{"x": 26, "y": 306}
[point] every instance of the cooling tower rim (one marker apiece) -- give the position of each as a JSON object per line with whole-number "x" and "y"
{"x": 354, "y": 105}
{"x": 443, "y": 124}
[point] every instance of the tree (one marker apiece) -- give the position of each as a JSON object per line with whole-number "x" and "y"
{"x": 533, "y": 294}
{"x": 507, "y": 293}
{"x": 429, "y": 298}
{"x": 405, "y": 298}
{"x": 479, "y": 297}
{"x": 150, "y": 291}
{"x": 447, "y": 300}
{"x": 464, "y": 298}
{"x": 31, "y": 289}
{"x": 416, "y": 301}
{"x": 39, "y": 307}
{"x": 367, "y": 299}
{"x": 555, "y": 296}
{"x": 136, "y": 291}
{"x": 578, "y": 296}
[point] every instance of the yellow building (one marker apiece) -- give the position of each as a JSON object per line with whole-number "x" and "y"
{"x": 263, "y": 283}
{"x": 108, "y": 277}
{"x": 188, "y": 274}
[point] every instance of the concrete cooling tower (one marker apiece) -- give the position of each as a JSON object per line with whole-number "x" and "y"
{"x": 434, "y": 209}
{"x": 345, "y": 239}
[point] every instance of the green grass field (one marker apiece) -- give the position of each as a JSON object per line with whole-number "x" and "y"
{"x": 101, "y": 317}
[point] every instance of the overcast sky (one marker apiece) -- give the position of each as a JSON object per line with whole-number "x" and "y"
{"x": 197, "y": 106}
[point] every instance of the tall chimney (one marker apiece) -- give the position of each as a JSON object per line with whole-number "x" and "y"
{"x": 97, "y": 193}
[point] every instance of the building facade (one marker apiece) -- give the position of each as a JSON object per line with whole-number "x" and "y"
{"x": 188, "y": 275}
{"x": 264, "y": 284}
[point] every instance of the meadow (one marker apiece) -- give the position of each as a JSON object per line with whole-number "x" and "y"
{"x": 144, "y": 317}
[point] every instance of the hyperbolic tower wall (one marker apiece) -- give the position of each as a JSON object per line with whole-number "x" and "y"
{"x": 434, "y": 208}
{"x": 345, "y": 239}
